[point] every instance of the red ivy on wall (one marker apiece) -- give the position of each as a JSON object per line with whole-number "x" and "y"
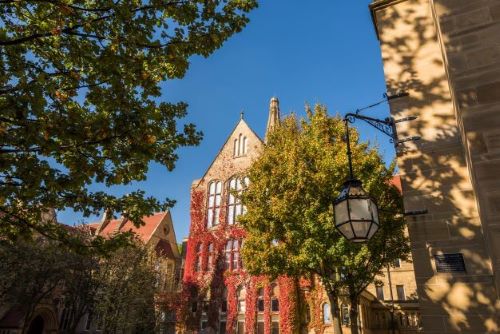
{"x": 207, "y": 286}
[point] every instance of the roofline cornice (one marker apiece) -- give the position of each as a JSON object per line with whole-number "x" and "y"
{"x": 378, "y": 5}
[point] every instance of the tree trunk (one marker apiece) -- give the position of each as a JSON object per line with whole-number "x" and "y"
{"x": 334, "y": 310}
{"x": 353, "y": 314}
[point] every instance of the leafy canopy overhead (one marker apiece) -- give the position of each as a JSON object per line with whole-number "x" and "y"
{"x": 80, "y": 98}
{"x": 290, "y": 219}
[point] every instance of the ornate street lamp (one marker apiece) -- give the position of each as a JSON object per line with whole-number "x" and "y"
{"x": 356, "y": 212}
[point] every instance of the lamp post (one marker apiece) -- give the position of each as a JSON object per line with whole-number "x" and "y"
{"x": 356, "y": 212}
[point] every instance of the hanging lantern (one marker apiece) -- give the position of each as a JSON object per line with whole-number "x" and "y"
{"x": 356, "y": 213}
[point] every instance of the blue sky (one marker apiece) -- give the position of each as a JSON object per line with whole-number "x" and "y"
{"x": 322, "y": 51}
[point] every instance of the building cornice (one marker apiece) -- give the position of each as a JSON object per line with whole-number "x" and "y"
{"x": 378, "y": 5}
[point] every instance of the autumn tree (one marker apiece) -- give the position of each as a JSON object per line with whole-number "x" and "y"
{"x": 80, "y": 100}
{"x": 290, "y": 218}
{"x": 118, "y": 290}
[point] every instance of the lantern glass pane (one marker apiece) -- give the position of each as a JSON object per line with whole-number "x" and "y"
{"x": 346, "y": 231}
{"x": 359, "y": 209}
{"x": 374, "y": 210}
{"x": 361, "y": 228}
{"x": 373, "y": 230}
{"x": 341, "y": 214}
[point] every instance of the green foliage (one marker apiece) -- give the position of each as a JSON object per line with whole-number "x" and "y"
{"x": 290, "y": 220}
{"x": 80, "y": 99}
{"x": 118, "y": 289}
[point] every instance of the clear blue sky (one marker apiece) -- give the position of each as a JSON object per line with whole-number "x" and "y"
{"x": 300, "y": 51}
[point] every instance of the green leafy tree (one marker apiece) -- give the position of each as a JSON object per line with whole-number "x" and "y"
{"x": 290, "y": 220}
{"x": 118, "y": 291}
{"x": 80, "y": 99}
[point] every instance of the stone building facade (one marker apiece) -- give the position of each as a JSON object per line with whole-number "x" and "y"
{"x": 446, "y": 55}
{"x": 223, "y": 298}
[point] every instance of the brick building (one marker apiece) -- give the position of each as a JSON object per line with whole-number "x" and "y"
{"x": 223, "y": 298}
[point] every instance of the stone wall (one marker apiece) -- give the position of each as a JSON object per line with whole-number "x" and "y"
{"x": 446, "y": 54}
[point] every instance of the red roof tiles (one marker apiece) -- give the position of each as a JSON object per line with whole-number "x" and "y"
{"x": 144, "y": 232}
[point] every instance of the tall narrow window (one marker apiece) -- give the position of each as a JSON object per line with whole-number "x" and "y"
{"x": 232, "y": 254}
{"x": 345, "y": 315}
{"x": 260, "y": 300}
{"x": 214, "y": 202}
{"x": 243, "y": 144}
{"x": 275, "y": 327}
{"x": 210, "y": 260}
{"x": 241, "y": 327}
{"x": 241, "y": 300}
{"x": 400, "y": 290}
{"x": 275, "y": 294}
{"x": 197, "y": 265}
{"x": 327, "y": 317}
{"x": 223, "y": 304}
{"x": 235, "y": 208}
{"x": 260, "y": 327}
{"x": 240, "y": 146}
{"x": 222, "y": 327}
{"x": 380, "y": 292}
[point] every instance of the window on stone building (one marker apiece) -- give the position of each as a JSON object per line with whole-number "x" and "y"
{"x": 241, "y": 294}
{"x": 234, "y": 207}
{"x": 307, "y": 314}
{"x": 194, "y": 307}
{"x": 260, "y": 327}
{"x": 222, "y": 327}
{"x": 397, "y": 263}
{"x": 214, "y": 203}
{"x": 327, "y": 317}
{"x": 379, "y": 289}
{"x": 210, "y": 259}
{"x": 204, "y": 324}
{"x": 232, "y": 254}
{"x": 88, "y": 322}
{"x": 223, "y": 305}
{"x": 400, "y": 290}
{"x": 240, "y": 146}
{"x": 275, "y": 294}
{"x": 275, "y": 327}
{"x": 197, "y": 264}
{"x": 345, "y": 315}
{"x": 240, "y": 327}
{"x": 260, "y": 300}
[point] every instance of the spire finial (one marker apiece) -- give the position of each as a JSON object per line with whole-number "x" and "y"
{"x": 241, "y": 114}
{"x": 274, "y": 115}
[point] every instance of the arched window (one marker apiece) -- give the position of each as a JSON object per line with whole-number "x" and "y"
{"x": 275, "y": 294}
{"x": 197, "y": 260}
{"x": 210, "y": 259}
{"x": 214, "y": 202}
{"x": 232, "y": 254}
{"x": 240, "y": 146}
{"x": 260, "y": 300}
{"x": 234, "y": 206}
{"x": 241, "y": 294}
{"x": 327, "y": 317}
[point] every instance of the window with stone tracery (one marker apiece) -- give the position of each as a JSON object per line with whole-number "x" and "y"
{"x": 234, "y": 206}
{"x": 214, "y": 203}
{"x": 232, "y": 254}
{"x": 240, "y": 146}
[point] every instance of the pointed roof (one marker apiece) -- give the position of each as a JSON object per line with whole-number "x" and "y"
{"x": 240, "y": 125}
{"x": 274, "y": 115}
{"x": 144, "y": 232}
